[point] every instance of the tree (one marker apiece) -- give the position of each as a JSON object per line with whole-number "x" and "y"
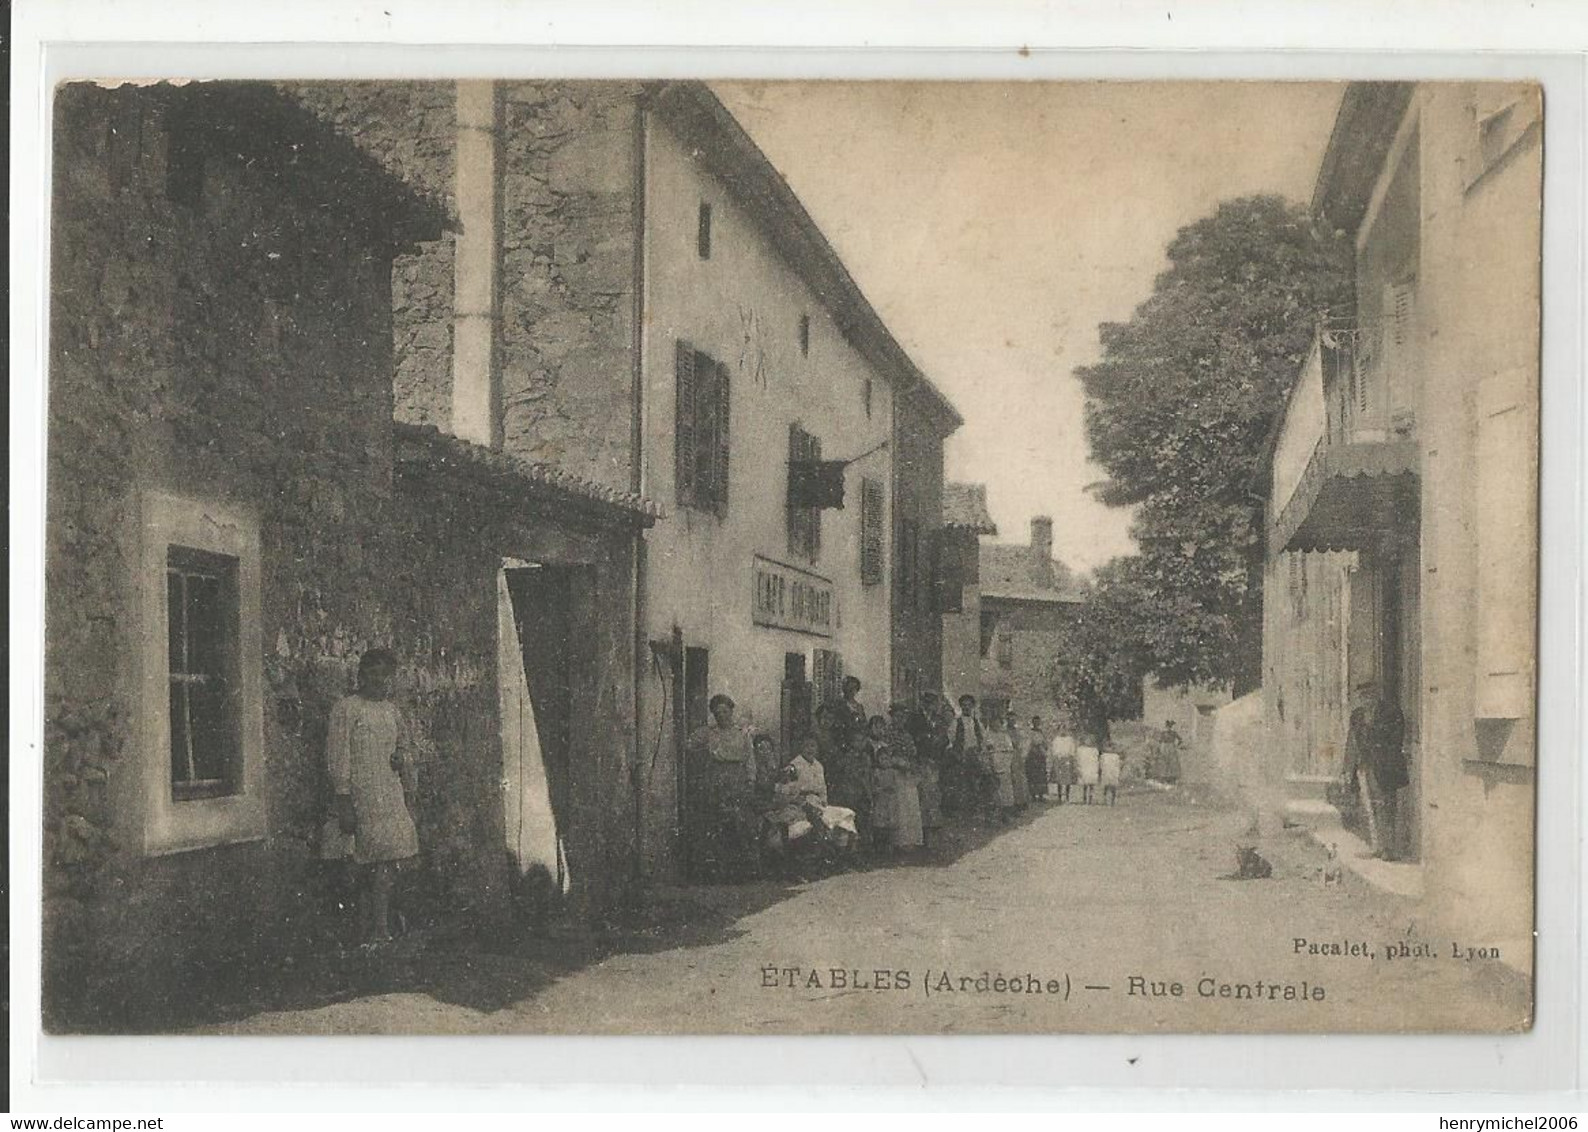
{"x": 1179, "y": 411}
{"x": 1101, "y": 659}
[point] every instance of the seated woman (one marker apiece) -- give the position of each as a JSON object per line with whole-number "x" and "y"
{"x": 800, "y": 816}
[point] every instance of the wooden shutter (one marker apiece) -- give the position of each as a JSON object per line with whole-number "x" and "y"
{"x": 1507, "y": 507}
{"x": 706, "y": 424}
{"x": 871, "y": 528}
{"x": 829, "y": 676}
{"x": 685, "y": 439}
{"x": 804, "y": 523}
{"x": 719, "y": 451}
{"x": 796, "y": 515}
{"x": 814, "y": 514}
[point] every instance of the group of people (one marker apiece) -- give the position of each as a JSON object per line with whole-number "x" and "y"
{"x": 873, "y": 784}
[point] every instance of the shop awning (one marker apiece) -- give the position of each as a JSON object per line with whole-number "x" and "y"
{"x": 1350, "y": 497}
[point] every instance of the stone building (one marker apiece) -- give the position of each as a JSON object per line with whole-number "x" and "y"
{"x": 636, "y": 297}
{"x": 965, "y": 520}
{"x": 1028, "y": 599}
{"x": 234, "y": 517}
{"x": 1402, "y": 538}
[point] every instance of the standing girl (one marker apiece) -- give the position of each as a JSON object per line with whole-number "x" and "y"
{"x": 373, "y": 785}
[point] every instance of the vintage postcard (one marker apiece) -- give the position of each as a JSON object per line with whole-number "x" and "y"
{"x": 670, "y": 557}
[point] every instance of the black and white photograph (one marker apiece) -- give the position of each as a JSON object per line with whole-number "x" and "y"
{"x": 622, "y": 556}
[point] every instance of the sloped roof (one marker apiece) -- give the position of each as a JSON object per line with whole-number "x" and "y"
{"x": 727, "y": 151}
{"x": 275, "y": 135}
{"x": 1013, "y": 573}
{"x": 965, "y": 507}
{"x": 427, "y": 446}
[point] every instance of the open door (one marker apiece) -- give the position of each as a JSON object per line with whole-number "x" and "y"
{"x": 536, "y": 673}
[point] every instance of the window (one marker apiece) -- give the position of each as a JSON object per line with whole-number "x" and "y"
{"x": 829, "y": 673}
{"x": 201, "y": 629}
{"x": 872, "y": 524}
{"x": 805, "y": 335}
{"x": 989, "y": 629}
{"x": 201, "y": 716}
{"x": 1006, "y": 649}
{"x": 703, "y": 232}
{"x": 701, "y": 431}
{"x": 1503, "y": 115}
{"x": 866, "y": 393}
{"x": 804, "y": 523}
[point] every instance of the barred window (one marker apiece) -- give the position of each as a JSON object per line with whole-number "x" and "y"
{"x": 872, "y": 525}
{"x": 701, "y": 433}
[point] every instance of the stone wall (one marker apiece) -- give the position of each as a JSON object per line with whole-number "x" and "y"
{"x": 565, "y": 353}
{"x": 411, "y": 129}
{"x": 1027, "y": 682}
{"x": 235, "y": 350}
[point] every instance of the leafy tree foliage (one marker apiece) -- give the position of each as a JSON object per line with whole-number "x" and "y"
{"x": 1098, "y": 669}
{"x": 1178, "y": 413}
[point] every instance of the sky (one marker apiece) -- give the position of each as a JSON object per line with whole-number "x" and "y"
{"x": 994, "y": 226}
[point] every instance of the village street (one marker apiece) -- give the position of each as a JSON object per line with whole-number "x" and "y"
{"x": 1071, "y": 899}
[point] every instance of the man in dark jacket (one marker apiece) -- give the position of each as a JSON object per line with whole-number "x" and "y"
{"x": 1375, "y": 758}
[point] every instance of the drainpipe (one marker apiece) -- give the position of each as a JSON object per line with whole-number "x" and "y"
{"x": 637, "y": 484}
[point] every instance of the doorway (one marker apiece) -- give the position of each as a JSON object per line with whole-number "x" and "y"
{"x": 537, "y": 718}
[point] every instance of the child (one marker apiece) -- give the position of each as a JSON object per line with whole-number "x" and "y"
{"x": 1063, "y": 765}
{"x": 1109, "y": 771}
{"x": 884, "y": 790}
{"x": 372, "y": 780}
{"x": 1088, "y": 769}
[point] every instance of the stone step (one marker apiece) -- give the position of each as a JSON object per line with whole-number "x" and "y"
{"x": 1311, "y": 814}
{"x": 1308, "y": 786}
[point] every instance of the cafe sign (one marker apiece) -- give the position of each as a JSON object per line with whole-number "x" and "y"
{"x": 787, "y": 597}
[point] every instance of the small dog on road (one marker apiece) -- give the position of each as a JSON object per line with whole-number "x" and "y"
{"x": 1333, "y": 872}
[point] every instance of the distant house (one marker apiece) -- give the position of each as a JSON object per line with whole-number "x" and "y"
{"x": 965, "y": 520}
{"x": 1028, "y": 600}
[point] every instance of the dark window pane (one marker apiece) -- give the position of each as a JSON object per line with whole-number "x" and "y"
{"x": 179, "y": 752}
{"x": 175, "y": 606}
{"x": 213, "y": 732}
{"x": 206, "y": 624}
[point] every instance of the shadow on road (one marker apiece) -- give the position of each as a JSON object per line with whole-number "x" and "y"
{"x": 488, "y": 968}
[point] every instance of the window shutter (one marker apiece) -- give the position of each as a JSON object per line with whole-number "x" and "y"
{"x": 804, "y": 523}
{"x": 796, "y": 451}
{"x": 1507, "y": 489}
{"x": 813, "y": 515}
{"x": 719, "y": 452}
{"x": 684, "y": 432}
{"x": 829, "y": 676}
{"x": 871, "y": 548}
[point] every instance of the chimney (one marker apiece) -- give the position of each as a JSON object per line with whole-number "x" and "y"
{"x": 1042, "y": 547}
